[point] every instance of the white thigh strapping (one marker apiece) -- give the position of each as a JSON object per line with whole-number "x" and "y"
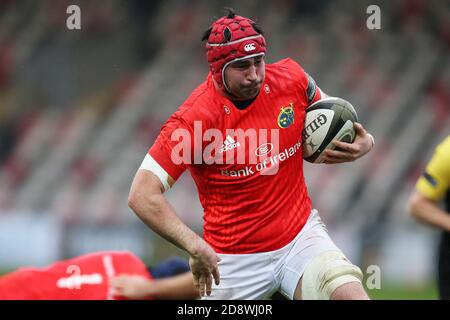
{"x": 313, "y": 241}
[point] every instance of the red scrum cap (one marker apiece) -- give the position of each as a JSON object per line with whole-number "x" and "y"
{"x": 232, "y": 38}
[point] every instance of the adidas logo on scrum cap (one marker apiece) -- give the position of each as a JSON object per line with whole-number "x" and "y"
{"x": 229, "y": 144}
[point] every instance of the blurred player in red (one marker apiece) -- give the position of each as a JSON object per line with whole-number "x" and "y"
{"x": 111, "y": 275}
{"x": 239, "y": 135}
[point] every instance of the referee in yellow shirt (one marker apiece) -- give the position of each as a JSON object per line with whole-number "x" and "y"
{"x": 431, "y": 190}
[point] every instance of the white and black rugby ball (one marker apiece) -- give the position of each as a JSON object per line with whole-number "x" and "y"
{"x": 327, "y": 120}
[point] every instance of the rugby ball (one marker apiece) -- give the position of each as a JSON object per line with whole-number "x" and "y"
{"x": 327, "y": 120}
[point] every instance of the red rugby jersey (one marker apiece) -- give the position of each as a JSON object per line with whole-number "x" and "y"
{"x": 250, "y": 183}
{"x": 81, "y": 278}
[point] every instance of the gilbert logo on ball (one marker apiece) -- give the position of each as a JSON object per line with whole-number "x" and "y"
{"x": 327, "y": 120}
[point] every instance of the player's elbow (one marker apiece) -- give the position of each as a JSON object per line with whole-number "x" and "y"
{"x": 145, "y": 191}
{"x": 144, "y": 204}
{"x": 135, "y": 201}
{"x": 414, "y": 205}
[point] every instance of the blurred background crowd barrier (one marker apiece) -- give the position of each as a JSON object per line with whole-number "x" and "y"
{"x": 80, "y": 108}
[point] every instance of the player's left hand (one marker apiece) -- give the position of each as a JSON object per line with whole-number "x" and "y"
{"x": 348, "y": 152}
{"x": 134, "y": 287}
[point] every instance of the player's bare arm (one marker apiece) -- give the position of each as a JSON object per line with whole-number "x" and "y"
{"x": 148, "y": 202}
{"x": 134, "y": 287}
{"x": 427, "y": 211}
{"x": 348, "y": 152}
{"x": 137, "y": 287}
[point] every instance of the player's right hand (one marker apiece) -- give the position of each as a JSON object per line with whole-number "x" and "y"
{"x": 204, "y": 267}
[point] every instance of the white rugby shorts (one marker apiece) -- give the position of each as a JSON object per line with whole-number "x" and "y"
{"x": 258, "y": 275}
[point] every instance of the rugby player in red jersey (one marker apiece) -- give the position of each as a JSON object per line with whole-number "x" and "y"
{"x": 106, "y": 275}
{"x": 239, "y": 135}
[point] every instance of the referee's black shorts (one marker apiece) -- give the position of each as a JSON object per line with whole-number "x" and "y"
{"x": 444, "y": 267}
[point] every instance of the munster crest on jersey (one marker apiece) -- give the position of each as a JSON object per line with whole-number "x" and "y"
{"x": 286, "y": 116}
